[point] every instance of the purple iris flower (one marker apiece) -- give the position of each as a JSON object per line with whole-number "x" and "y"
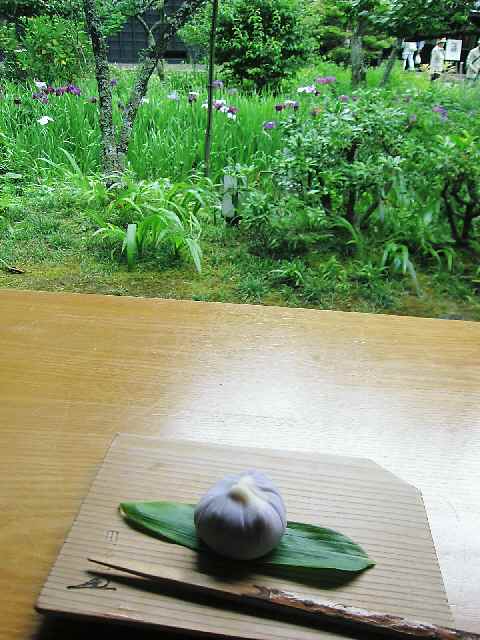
{"x": 442, "y": 112}
{"x": 59, "y": 91}
{"x": 113, "y": 82}
{"x": 73, "y": 89}
{"x": 270, "y": 125}
{"x": 217, "y": 84}
{"x": 344, "y": 98}
{"x": 326, "y": 80}
{"x": 232, "y": 109}
{"x": 41, "y": 97}
{"x": 279, "y": 107}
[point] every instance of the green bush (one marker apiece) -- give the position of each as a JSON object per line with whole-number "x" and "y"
{"x": 259, "y": 42}
{"x": 283, "y": 226}
{"x": 48, "y": 48}
{"x": 138, "y": 218}
{"x": 343, "y": 160}
{"x": 387, "y": 179}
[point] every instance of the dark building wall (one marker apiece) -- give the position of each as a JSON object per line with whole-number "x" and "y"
{"x": 126, "y": 45}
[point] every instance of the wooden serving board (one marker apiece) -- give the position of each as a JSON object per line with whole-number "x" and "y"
{"x": 355, "y": 496}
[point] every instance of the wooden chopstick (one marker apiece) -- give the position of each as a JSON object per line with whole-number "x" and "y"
{"x": 360, "y": 619}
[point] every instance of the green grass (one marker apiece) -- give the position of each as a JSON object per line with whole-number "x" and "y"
{"x": 47, "y": 229}
{"x": 169, "y": 135}
{"x": 52, "y": 241}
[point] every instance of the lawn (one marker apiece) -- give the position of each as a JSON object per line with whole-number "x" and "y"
{"x": 394, "y": 254}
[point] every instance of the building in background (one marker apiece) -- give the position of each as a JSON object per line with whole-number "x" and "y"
{"x": 126, "y": 45}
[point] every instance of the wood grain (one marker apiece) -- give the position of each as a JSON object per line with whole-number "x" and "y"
{"x": 76, "y": 369}
{"x": 321, "y": 612}
{"x": 382, "y": 513}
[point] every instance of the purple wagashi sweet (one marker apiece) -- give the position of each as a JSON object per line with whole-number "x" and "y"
{"x": 242, "y": 516}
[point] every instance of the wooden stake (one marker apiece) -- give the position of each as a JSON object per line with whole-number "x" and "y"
{"x": 258, "y": 595}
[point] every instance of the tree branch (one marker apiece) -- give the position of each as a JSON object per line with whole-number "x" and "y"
{"x": 450, "y": 212}
{"x": 391, "y": 62}
{"x": 102, "y": 73}
{"x": 152, "y": 56}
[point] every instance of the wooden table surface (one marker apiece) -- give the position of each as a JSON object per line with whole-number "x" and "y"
{"x": 76, "y": 369}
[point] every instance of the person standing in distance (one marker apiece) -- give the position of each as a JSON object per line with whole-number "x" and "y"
{"x": 473, "y": 63}
{"x": 407, "y": 56}
{"x": 437, "y": 60}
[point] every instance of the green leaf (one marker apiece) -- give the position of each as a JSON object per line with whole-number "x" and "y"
{"x": 303, "y": 545}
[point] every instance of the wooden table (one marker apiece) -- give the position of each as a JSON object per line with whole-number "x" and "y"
{"x": 75, "y": 369}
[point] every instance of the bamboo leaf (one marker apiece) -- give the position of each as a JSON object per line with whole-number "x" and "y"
{"x": 303, "y": 545}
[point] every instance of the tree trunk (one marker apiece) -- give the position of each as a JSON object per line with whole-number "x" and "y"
{"x": 110, "y": 162}
{"x": 211, "y": 72}
{"x": 152, "y": 56}
{"x": 391, "y": 62}
{"x": 356, "y": 55}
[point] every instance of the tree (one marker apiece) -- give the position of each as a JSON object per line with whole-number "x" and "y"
{"x": 330, "y": 24}
{"x": 259, "y": 42}
{"x": 14, "y": 9}
{"x": 364, "y": 15}
{"x": 113, "y": 151}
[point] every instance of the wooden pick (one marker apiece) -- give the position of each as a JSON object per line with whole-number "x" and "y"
{"x": 266, "y": 597}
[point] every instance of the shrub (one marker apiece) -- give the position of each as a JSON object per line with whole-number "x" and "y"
{"x": 343, "y": 161}
{"x": 259, "y": 42}
{"x": 136, "y": 218}
{"x": 282, "y": 226}
{"x": 45, "y": 47}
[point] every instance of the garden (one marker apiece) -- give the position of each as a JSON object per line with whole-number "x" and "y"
{"x": 282, "y": 175}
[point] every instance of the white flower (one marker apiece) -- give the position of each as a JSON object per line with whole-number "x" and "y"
{"x": 231, "y": 115}
{"x": 145, "y": 100}
{"x": 40, "y": 85}
{"x": 194, "y": 94}
{"x": 223, "y": 108}
{"x": 173, "y": 96}
{"x": 205, "y": 105}
{"x": 309, "y": 89}
{"x": 44, "y": 120}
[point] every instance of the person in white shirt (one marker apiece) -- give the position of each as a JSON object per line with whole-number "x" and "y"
{"x": 437, "y": 60}
{"x": 473, "y": 63}
{"x": 408, "y": 53}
